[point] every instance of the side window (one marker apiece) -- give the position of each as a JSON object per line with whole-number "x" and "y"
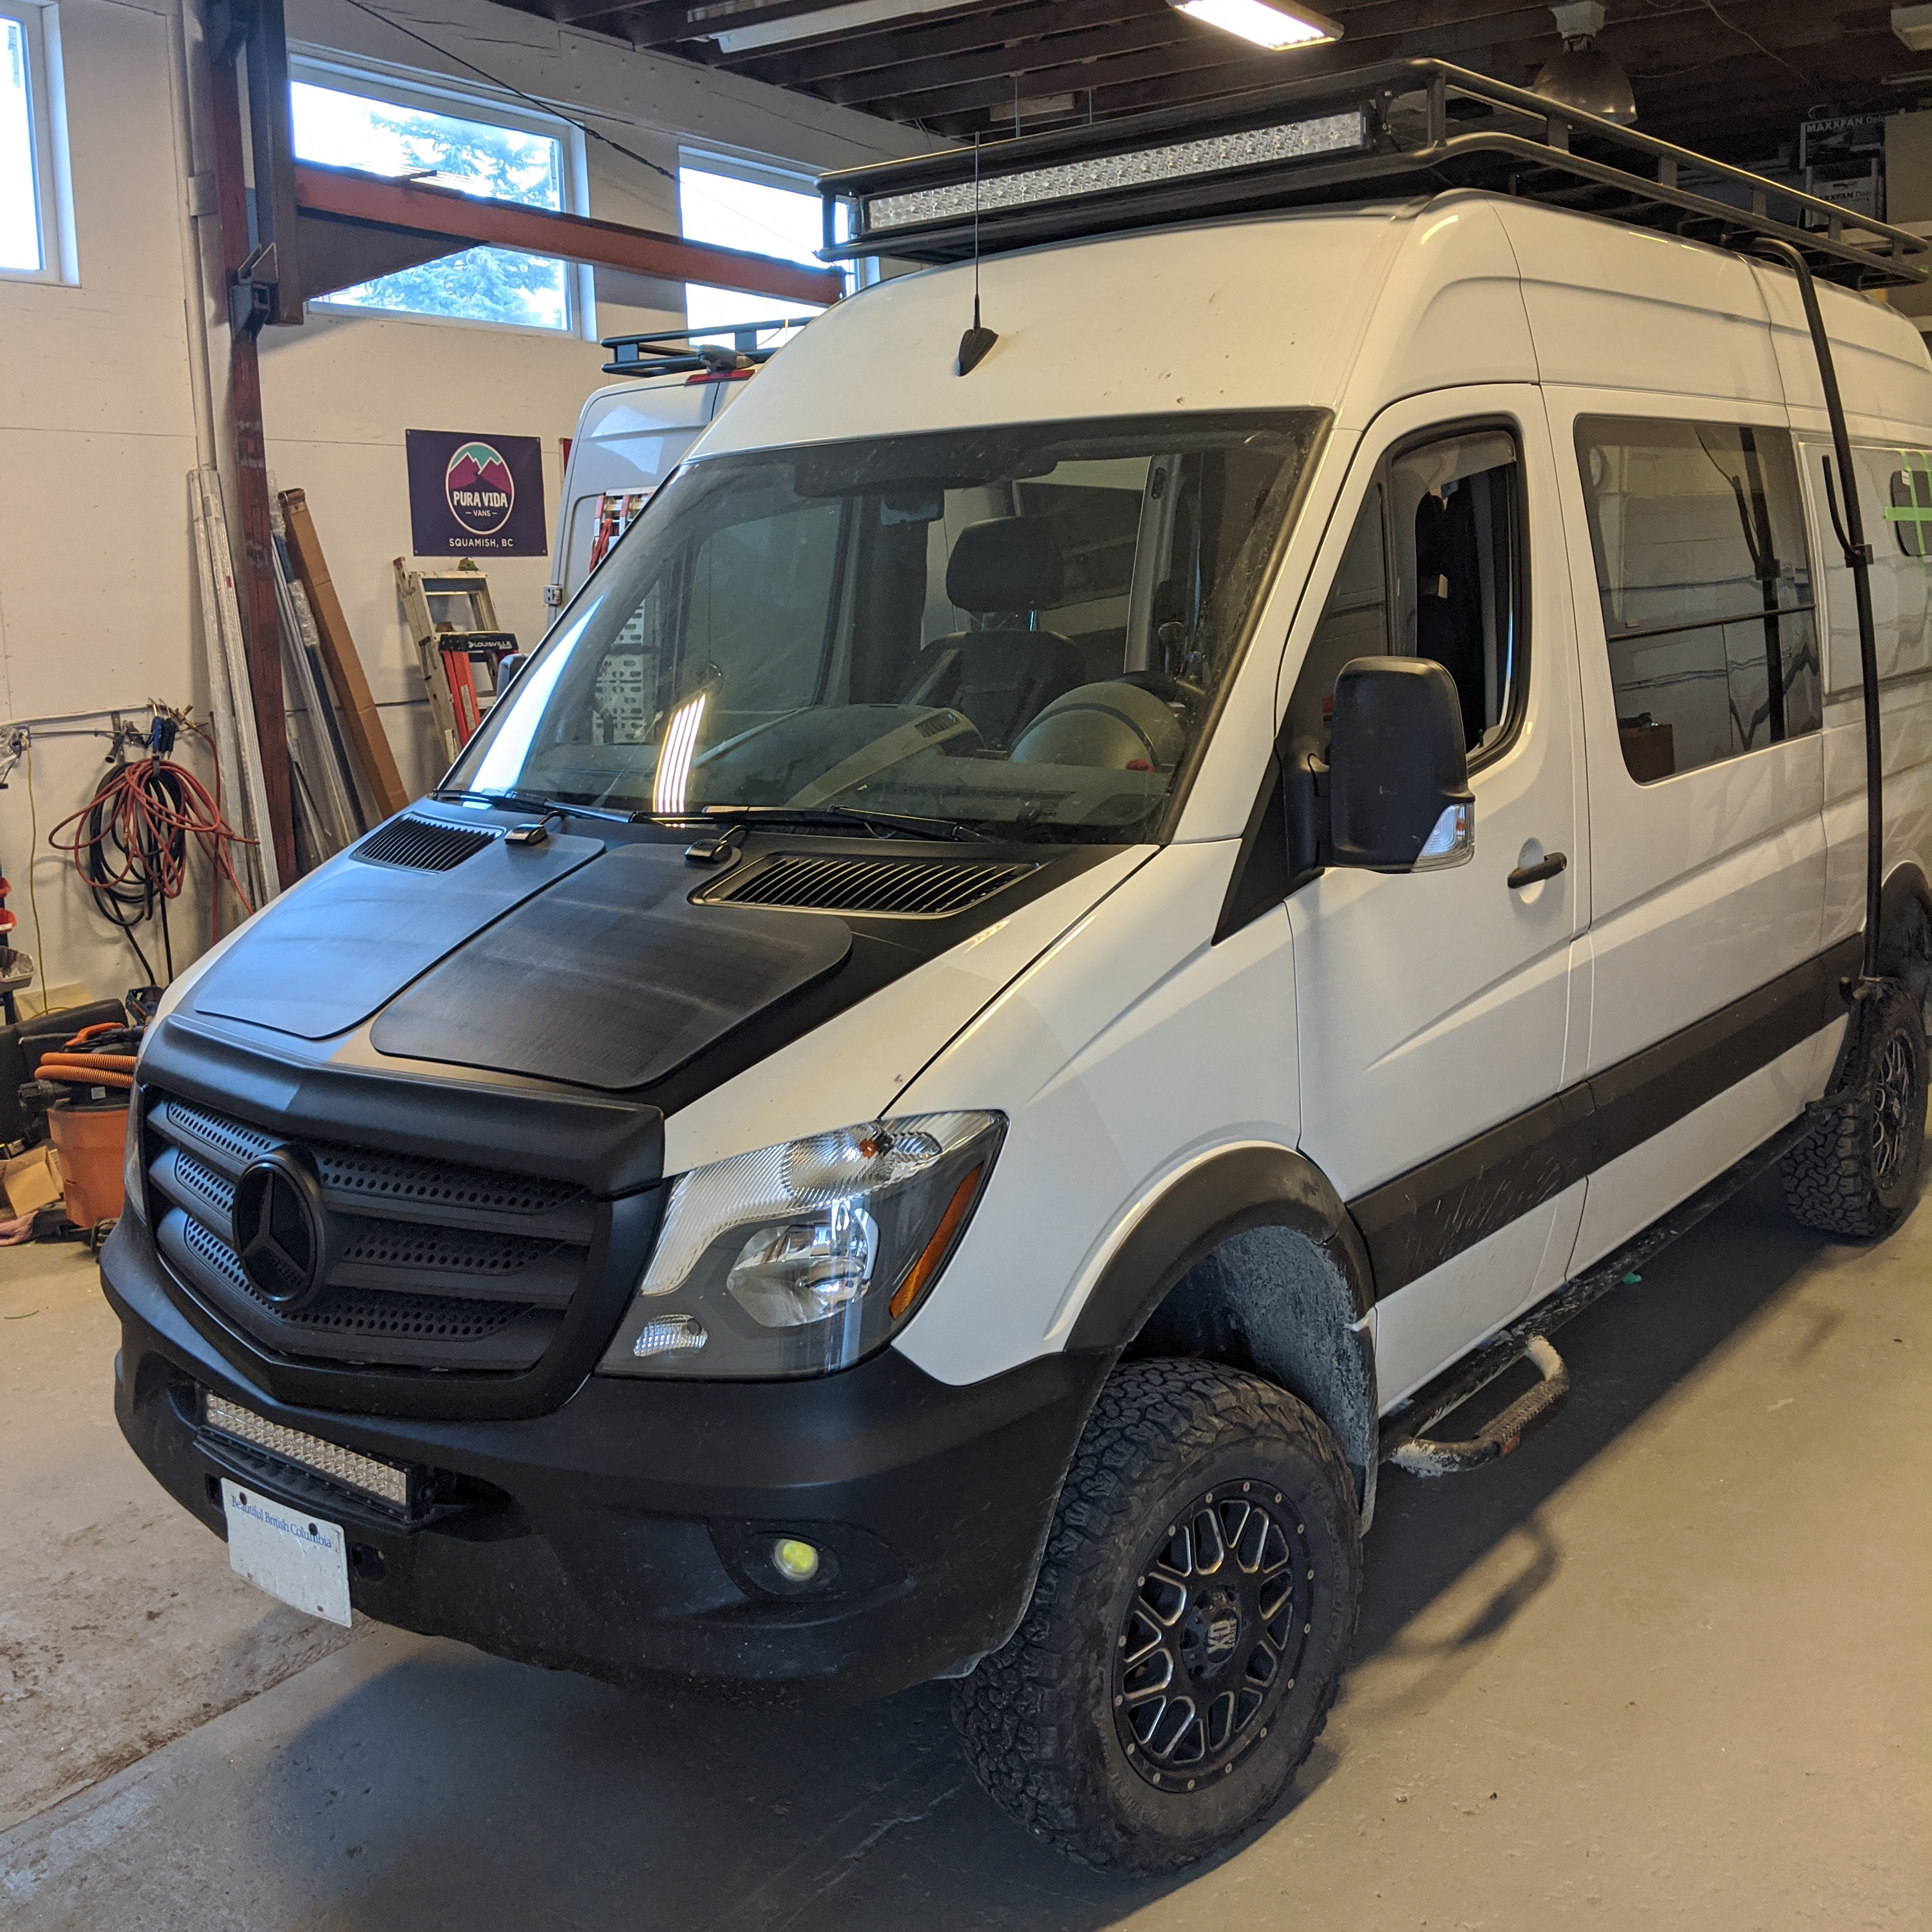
{"x": 1705, "y": 578}
{"x": 1433, "y": 569}
{"x": 1895, "y": 495}
{"x": 1453, "y": 510}
{"x": 1911, "y": 508}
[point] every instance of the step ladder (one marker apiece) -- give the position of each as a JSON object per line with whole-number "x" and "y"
{"x": 460, "y": 647}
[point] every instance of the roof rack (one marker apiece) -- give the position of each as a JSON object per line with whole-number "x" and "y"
{"x": 1399, "y": 128}
{"x": 651, "y": 355}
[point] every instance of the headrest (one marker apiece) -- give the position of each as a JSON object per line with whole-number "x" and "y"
{"x": 1005, "y": 563}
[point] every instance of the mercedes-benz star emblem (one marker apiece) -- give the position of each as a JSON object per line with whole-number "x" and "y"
{"x": 281, "y": 1228}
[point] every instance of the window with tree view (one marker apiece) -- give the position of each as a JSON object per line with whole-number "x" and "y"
{"x": 496, "y": 160}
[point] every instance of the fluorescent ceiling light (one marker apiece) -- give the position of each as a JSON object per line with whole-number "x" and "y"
{"x": 1267, "y": 24}
{"x": 1214, "y": 153}
{"x": 830, "y": 20}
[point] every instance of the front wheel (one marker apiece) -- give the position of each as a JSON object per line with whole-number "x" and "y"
{"x": 1856, "y": 1173}
{"x": 1188, "y": 1629}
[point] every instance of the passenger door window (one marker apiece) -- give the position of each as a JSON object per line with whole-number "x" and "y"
{"x": 1433, "y": 569}
{"x": 1698, "y": 535}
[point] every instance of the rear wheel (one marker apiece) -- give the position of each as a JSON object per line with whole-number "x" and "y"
{"x": 1189, "y": 1627}
{"x": 1856, "y": 1173}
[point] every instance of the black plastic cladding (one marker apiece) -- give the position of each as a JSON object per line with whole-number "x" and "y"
{"x": 592, "y": 1536}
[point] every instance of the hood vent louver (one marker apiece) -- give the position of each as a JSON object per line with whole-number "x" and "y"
{"x": 422, "y": 844}
{"x": 891, "y": 888}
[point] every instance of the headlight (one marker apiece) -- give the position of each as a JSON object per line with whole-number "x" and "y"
{"x": 798, "y": 1259}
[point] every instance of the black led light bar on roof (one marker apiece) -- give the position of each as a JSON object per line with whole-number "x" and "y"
{"x": 1397, "y": 130}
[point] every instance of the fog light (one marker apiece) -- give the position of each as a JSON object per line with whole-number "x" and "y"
{"x": 796, "y": 1560}
{"x": 670, "y": 1334}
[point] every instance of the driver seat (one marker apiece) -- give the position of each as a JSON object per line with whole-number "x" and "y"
{"x": 1003, "y": 676}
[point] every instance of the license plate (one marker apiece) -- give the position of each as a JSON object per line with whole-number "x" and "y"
{"x": 287, "y": 1552}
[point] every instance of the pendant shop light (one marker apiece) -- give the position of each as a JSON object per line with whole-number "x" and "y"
{"x": 1265, "y": 23}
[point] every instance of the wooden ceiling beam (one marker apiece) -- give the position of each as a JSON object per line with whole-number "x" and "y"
{"x": 1747, "y": 126}
{"x": 1192, "y": 45}
{"x": 1053, "y": 55}
{"x": 896, "y": 46}
{"x": 1698, "y": 79}
{"x": 1126, "y": 85}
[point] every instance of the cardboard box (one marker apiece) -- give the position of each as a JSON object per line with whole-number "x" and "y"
{"x": 31, "y": 1182}
{"x": 32, "y": 1002}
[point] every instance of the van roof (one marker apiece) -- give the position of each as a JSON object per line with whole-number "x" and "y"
{"x": 1342, "y": 309}
{"x": 1398, "y": 128}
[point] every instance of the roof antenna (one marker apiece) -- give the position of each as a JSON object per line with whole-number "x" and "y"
{"x": 974, "y": 343}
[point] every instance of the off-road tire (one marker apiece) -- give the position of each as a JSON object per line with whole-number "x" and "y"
{"x": 1856, "y": 1173}
{"x": 1038, "y": 1718}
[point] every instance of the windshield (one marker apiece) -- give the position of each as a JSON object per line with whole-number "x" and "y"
{"x": 1013, "y": 630}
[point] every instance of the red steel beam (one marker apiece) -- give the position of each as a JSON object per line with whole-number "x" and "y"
{"x": 348, "y": 194}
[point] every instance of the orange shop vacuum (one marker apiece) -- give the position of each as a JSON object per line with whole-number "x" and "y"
{"x": 88, "y": 1121}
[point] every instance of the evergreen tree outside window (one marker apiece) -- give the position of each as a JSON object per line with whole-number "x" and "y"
{"x": 36, "y": 227}
{"x": 496, "y": 160}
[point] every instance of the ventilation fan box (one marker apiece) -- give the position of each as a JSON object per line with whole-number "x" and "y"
{"x": 1913, "y": 25}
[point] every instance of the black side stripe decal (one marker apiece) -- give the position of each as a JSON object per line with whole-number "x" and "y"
{"x": 1432, "y": 1214}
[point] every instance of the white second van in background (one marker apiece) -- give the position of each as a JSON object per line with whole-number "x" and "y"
{"x": 634, "y": 433}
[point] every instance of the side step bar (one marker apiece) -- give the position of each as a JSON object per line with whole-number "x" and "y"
{"x": 1424, "y": 1455}
{"x": 1406, "y": 1440}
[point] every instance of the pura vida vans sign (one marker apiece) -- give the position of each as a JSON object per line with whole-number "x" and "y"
{"x": 473, "y": 493}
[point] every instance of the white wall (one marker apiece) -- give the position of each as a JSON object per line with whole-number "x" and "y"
{"x": 96, "y": 436}
{"x": 98, "y": 402}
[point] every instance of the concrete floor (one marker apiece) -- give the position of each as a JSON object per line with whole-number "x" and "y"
{"x": 1668, "y": 1667}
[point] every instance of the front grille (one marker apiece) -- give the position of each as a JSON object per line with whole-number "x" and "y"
{"x": 904, "y": 888}
{"x": 433, "y": 1265}
{"x": 437, "y": 1183}
{"x": 422, "y": 844}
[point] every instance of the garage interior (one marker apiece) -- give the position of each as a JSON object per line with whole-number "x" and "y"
{"x": 1667, "y": 1664}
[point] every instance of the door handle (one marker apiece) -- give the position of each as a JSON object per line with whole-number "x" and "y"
{"x": 1531, "y": 875}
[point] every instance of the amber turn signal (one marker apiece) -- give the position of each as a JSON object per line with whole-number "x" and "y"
{"x": 930, "y": 1256}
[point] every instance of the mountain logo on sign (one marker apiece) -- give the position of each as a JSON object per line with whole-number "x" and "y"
{"x": 478, "y": 487}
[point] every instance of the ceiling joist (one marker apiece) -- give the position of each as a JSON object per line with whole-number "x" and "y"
{"x": 1734, "y": 77}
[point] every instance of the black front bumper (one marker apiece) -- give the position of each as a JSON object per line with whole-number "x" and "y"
{"x": 626, "y": 1533}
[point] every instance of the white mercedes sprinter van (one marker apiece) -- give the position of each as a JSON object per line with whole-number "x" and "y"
{"x": 1081, "y": 932}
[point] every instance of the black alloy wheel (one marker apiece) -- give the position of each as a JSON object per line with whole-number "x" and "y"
{"x": 1895, "y": 1082}
{"x": 1856, "y": 1172}
{"x": 1189, "y": 1625}
{"x": 1211, "y": 1636}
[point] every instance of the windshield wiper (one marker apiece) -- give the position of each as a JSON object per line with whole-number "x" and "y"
{"x": 528, "y": 801}
{"x": 906, "y": 825}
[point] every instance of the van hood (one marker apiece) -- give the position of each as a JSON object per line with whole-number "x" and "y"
{"x": 580, "y": 961}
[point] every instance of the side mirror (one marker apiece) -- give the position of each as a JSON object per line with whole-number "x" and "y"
{"x": 508, "y": 666}
{"x": 1399, "y": 797}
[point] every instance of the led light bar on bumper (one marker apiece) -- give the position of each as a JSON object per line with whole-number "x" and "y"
{"x": 798, "y": 1259}
{"x": 347, "y": 1467}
